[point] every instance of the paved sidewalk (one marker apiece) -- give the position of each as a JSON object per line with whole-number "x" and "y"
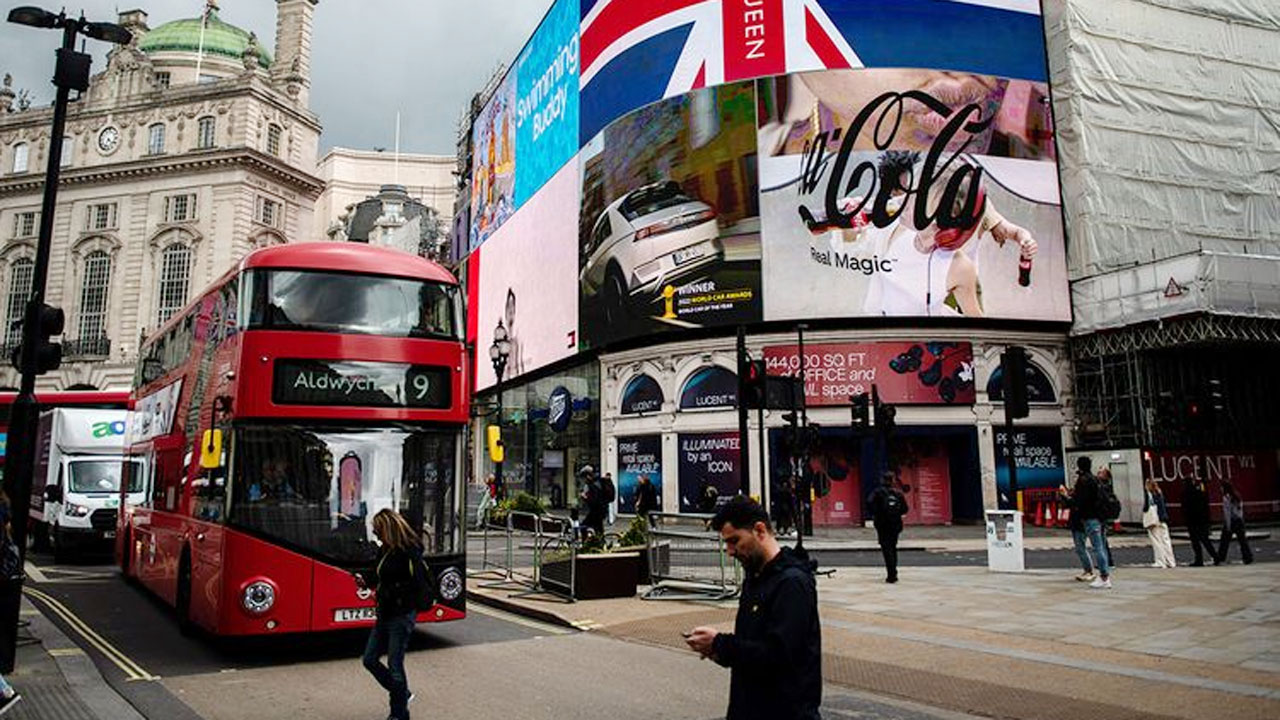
{"x": 1183, "y": 643}
{"x": 57, "y": 680}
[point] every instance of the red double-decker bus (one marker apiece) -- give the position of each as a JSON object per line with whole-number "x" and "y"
{"x": 310, "y": 387}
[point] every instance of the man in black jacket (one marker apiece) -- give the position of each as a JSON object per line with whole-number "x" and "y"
{"x": 775, "y": 649}
{"x": 1195, "y": 513}
{"x": 1088, "y": 504}
{"x": 888, "y": 505}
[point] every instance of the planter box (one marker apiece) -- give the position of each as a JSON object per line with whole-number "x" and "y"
{"x": 604, "y": 575}
{"x": 644, "y": 574}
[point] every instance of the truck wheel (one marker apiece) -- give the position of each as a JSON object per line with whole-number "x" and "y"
{"x": 182, "y": 603}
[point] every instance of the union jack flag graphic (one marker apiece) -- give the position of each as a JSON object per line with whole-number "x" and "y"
{"x": 635, "y": 52}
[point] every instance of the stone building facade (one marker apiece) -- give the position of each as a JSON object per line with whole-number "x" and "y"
{"x": 184, "y": 154}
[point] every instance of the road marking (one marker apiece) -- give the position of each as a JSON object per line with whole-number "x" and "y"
{"x": 131, "y": 669}
{"x": 518, "y": 620}
{"x": 65, "y": 652}
{"x": 34, "y": 572}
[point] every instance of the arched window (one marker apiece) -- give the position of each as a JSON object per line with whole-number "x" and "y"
{"x": 709, "y": 387}
{"x": 93, "y": 296}
{"x": 1039, "y": 388}
{"x": 206, "y": 132}
{"x": 155, "y": 139}
{"x": 21, "y": 273}
{"x": 643, "y": 394}
{"x": 175, "y": 278}
{"x": 273, "y": 140}
{"x": 20, "y": 157}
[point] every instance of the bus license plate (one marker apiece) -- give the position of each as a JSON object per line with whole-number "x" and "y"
{"x": 353, "y": 614}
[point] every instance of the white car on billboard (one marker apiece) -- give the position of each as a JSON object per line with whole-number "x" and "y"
{"x": 645, "y": 240}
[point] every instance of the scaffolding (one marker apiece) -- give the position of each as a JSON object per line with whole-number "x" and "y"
{"x": 1199, "y": 381}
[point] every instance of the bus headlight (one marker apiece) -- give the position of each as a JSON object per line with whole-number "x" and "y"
{"x": 259, "y": 596}
{"x": 74, "y": 510}
{"x": 450, "y": 584}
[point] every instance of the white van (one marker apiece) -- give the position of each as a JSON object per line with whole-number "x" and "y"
{"x": 75, "y": 489}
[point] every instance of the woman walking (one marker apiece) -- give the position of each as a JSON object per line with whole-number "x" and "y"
{"x": 1155, "y": 518}
{"x": 394, "y": 580}
{"x": 1232, "y": 524}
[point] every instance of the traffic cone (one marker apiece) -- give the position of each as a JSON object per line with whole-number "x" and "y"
{"x": 1048, "y": 515}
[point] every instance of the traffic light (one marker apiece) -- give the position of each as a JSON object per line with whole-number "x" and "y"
{"x": 1215, "y": 402}
{"x": 755, "y": 381}
{"x": 48, "y": 354}
{"x": 860, "y": 412}
{"x": 1014, "y": 370}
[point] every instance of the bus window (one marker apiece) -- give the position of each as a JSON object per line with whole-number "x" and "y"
{"x": 346, "y": 303}
{"x": 318, "y": 491}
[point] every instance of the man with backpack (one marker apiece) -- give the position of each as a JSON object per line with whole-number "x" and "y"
{"x": 888, "y": 505}
{"x": 1097, "y": 503}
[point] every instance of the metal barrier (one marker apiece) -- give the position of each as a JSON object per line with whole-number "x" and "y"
{"x": 687, "y": 560}
{"x": 546, "y": 538}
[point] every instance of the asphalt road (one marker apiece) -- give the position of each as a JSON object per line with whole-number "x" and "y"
{"x": 490, "y": 665}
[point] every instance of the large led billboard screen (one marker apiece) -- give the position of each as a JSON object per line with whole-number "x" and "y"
{"x": 726, "y": 162}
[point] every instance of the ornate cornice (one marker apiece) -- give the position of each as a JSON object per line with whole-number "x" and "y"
{"x": 184, "y": 163}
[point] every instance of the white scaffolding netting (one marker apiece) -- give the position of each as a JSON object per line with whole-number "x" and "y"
{"x": 1168, "y": 118}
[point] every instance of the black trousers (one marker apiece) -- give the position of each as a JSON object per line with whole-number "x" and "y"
{"x": 1200, "y": 538}
{"x": 888, "y": 537}
{"x": 1224, "y": 542}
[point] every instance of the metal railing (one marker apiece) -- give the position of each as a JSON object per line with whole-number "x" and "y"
{"x": 87, "y": 347}
{"x": 687, "y": 560}
{"x": 551, "y": 566}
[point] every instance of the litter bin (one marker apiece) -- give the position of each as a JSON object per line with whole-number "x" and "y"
{"x": 1004, "y": 541}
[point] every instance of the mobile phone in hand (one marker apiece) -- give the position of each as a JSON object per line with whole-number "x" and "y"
{"x": 686, "y": 635}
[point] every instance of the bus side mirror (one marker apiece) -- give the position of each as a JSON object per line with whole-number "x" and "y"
{"x": 211, "y": 449}
{"x": 495, "y": 444}
{"x": 53, "y": 493}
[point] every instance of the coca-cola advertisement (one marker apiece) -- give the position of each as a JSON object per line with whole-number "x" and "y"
{"x": 917, "y": 373}
{"x": 888, "y": 192}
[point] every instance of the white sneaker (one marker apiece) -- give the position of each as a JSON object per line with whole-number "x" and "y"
{"x": 1086, "y": 577}
{"x": 1103, "y": 583}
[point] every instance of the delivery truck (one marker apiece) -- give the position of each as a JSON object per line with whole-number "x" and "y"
{"x": 75, "y": 489}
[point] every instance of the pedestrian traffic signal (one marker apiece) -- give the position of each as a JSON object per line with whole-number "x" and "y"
{"x": 1014, "y": 371}
{"x": 860, "y": 413}
{"x": 50, "y": 321}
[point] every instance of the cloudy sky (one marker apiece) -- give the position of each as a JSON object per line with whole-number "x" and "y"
{"x": 370, "y": 59}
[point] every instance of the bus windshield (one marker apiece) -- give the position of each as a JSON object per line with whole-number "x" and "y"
{"x": 102, "y": 476}
{"x": 348, "y": 303}
{"x": 316, "y": 490}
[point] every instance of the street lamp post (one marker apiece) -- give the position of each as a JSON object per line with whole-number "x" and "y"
{"x": 37, "y": 354}
{"x": 499, "y": 351}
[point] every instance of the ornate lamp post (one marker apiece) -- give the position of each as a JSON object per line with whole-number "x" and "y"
{"x": 499, "y": 351}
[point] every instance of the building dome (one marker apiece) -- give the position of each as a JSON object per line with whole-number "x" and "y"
{"x": 219, "y": 39}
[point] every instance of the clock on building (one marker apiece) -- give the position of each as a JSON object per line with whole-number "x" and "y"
{"x": 108, "y": 139}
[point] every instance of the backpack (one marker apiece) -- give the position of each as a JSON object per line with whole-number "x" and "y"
{"x": 422, "y": 583}
{"x": 1108, "y": 503}
{"x": 10, "y": 559}
{"x": 893, "y": 504}
{"x": 607, "y": 491}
